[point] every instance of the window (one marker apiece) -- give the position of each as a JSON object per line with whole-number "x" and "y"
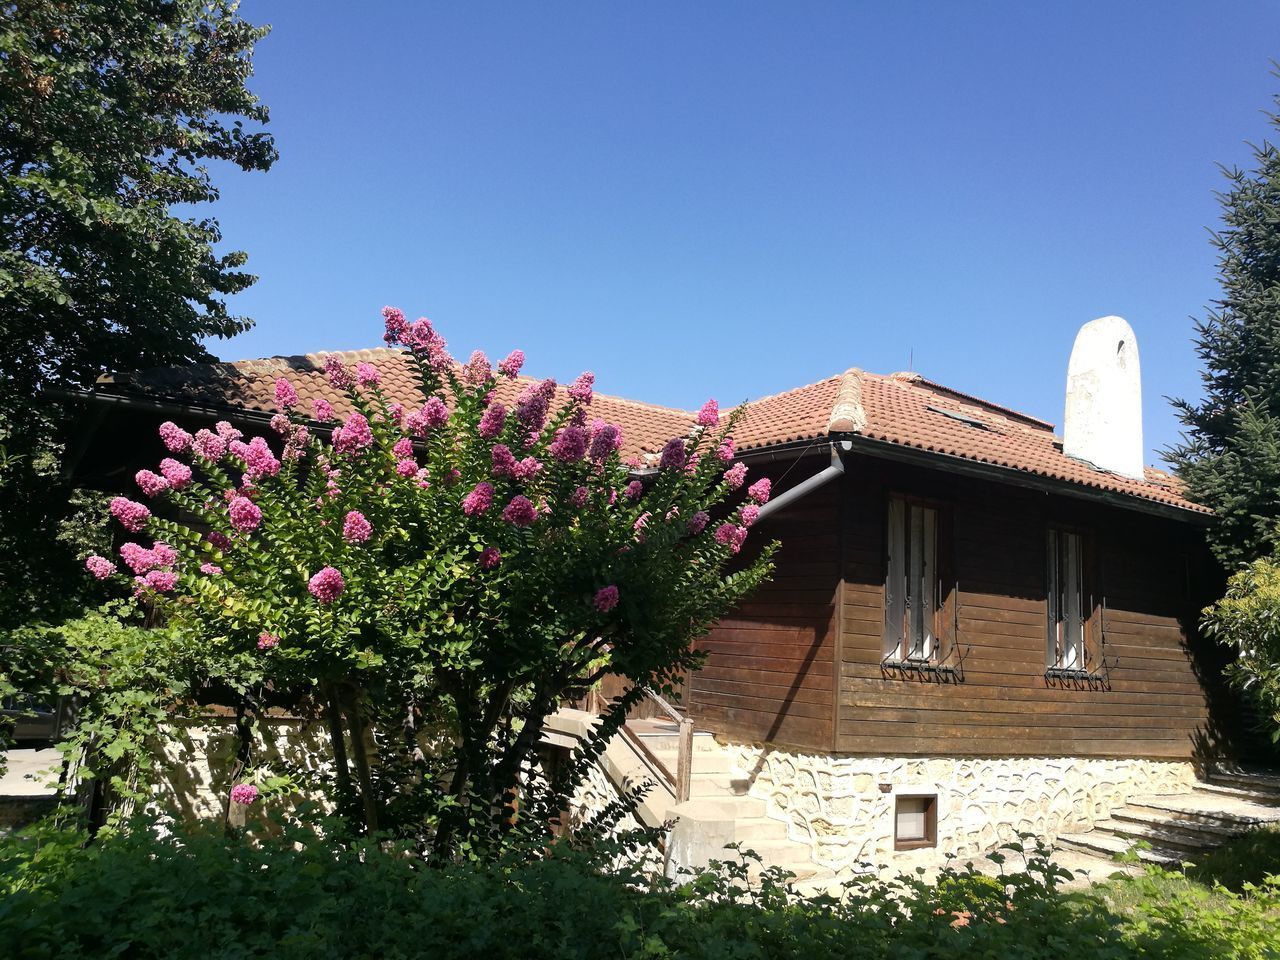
{"x": 912, "y": 585}
{"x": 915, "y": 822}
{"x": 1068, "y": 612}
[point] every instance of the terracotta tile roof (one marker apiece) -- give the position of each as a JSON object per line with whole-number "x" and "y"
{"x": 250, "y": 385}
{"x": 903, "y": 409}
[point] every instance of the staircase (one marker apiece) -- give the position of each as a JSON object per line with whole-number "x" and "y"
{"x": 718, "y": 795}
{"x": 1182, "y": 827}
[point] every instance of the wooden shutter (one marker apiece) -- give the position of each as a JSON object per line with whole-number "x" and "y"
{"x": 895, "y": 581}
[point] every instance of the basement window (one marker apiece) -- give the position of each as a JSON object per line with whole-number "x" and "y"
{"x": 915, "y": 822}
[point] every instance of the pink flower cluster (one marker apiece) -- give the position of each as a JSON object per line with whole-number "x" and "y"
{"x": 322, "y": 409}
{"x": 491, "y": 423}
{"x": 356, "y": 528}
{"x": 674, "y": 455}
{"x": 397, "y": 325}
{"x": 731, "y": 535}
{"x": 245, "y": 514}
{"x": 354, "y": 435}
{"x": 244, "y": 794}
{"x": 286, "y": 395}
{"x": 141, "y": 560}
{"x": 478, "y": 370}
{"x": 267, "y": 640}
{"x": 698, "y": 522}
{"x": 532, "y": 406}
{"x": 581, "y": 390}
{"x": 178, "y": 474}
{"x": 750, "y": 514}
{"x": 161, "y": 581}
{"x": 725, "y": 450}
{"x": 151, "y": 484}
{"x": 520, "y": 512}
{"x": 760, "y": 490}
{"x": 100, "y": 567}
{"x": 336, "y": 371}
{"x": 434, "y": 414}
{"x": 570, "y": 445}
{"x": 176, "y": 440}
{"x": 478, "y": 500}
{"x": 606, "y": 439}
{"x": 258, "y": 459}
{"x": 633, "y": 490}
{"x": 490, "y": 557}
{"x": 606, "y": 598}
{"x": 210, "y": 569}
{"x": 579, "y": 497}
{"x": 326, "y": 585}
{"x": 510, "y": 367}
{"x": 133, "y": 516}
{"x": 209, "y": 446}
{"x": 419, "y": 336}
{"x": 709, "y": 415}
{"x": 736, "y": 475}
{"x": 367, "y": 375}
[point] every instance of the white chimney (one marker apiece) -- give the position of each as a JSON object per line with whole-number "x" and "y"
{"x": 1103, "y": 421}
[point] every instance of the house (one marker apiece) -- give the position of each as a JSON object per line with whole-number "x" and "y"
{"x": 976, "y": 627}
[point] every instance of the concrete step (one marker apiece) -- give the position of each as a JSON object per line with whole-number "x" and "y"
{"x": 1159, "y": 835}
{"x": 1105, "y": 844}
{"x": 705, "y": 762}
{"x": 718, "y": 784}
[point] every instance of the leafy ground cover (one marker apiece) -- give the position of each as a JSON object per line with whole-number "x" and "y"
{"x": 199, "y": 893}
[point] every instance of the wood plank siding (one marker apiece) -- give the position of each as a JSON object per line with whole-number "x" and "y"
{"x": 770, "y": 673}
{"x": 800, "y": 663}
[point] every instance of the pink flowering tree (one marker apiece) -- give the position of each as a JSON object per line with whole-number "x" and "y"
{"x": 436, "y": 581}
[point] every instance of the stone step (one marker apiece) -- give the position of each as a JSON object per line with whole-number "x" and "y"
{"x": 1160, "y": 836}
{"x": 1205, "y": 808}
{"x": 1258, "y": 782}
{"x": 761, "y": 829}
{"x": 1164, "y": 820}
{"x": 706, "y": 762}
{"x": 718, "y": 784}
{"x": 1105, "y": 844}
{"x": 1252, "y": 794}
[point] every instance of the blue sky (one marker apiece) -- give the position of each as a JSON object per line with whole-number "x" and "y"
{"x": 732, "y": 199}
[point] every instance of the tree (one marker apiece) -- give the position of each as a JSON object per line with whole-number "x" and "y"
{"x": 109, "y": 112}
{"x": 1230, "y": 454}
{"x": 435, "y": 582}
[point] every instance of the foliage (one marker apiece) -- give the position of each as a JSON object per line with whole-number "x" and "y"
{"x": 200, "y": 894}
{"x": 1230, "y": 457}
{"x": 1248, "y": 859}
{"x": 109, "y": 115}
{"x": 435, "y": 582}
{"x": 1247, "y": 618}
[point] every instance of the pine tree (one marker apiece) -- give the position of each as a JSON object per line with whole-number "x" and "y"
{"x": 1230, "y": 454}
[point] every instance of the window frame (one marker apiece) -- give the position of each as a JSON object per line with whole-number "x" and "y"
{"x": 930, "y": 838}
{"x": 1055, "y": 599}
{"x": 899, "y": 612}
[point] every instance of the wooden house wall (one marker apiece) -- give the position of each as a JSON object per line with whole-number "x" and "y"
{"x": 770, "y": 672}
{"x": 799, "y": 663}
{"x": 1157, "y": 677}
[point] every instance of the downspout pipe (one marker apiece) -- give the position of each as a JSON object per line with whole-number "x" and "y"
{"x": 801, "y": 490}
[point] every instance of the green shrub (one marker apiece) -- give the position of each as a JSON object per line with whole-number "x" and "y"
{"x": 1247, "y": 859}
{"x": 199, "y": 894}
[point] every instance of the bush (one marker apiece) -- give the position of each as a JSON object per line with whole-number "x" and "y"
{"x": 202, "y": 895}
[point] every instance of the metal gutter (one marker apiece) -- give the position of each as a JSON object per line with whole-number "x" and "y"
{"x": 803, "y": 489}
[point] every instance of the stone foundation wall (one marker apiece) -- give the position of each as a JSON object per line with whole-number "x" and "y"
{"x": 836, "y": 805}
{"x": 196, "y": 764}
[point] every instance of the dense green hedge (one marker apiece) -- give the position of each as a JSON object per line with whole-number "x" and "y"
{"x": 202, "y": 896}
